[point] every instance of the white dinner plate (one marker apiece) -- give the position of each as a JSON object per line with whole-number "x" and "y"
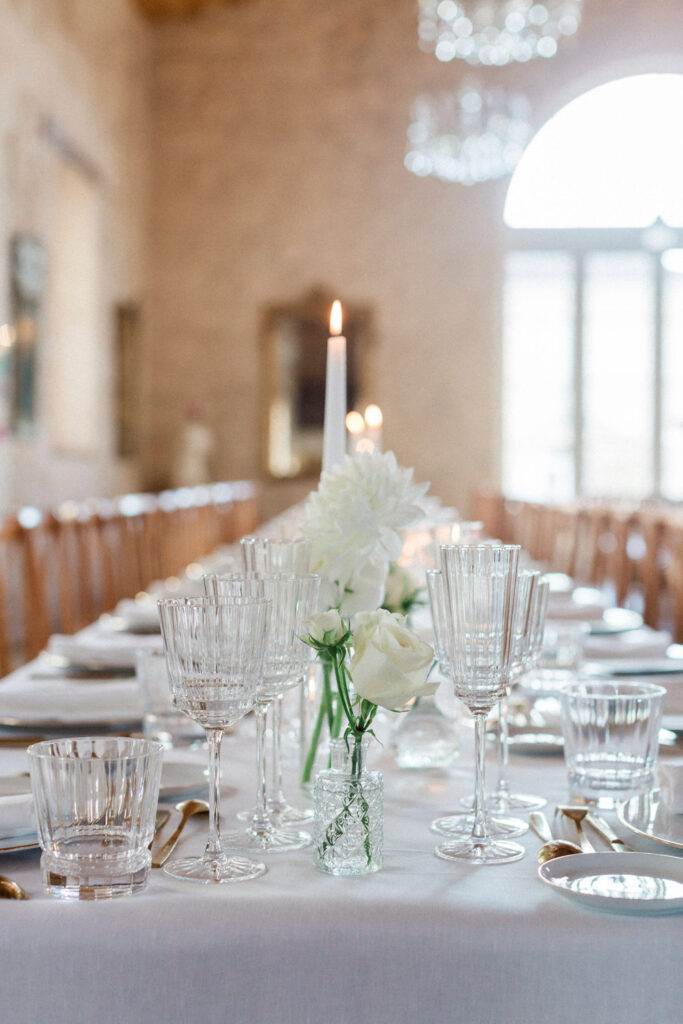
{"x": 19, "y": 843}
{"x": 616, "y": 620}
{"x": 182, "y": 778}
{"x": 615, "y": 667}
{"x": 648, "y": 815}
{"x": 626, "y": 883}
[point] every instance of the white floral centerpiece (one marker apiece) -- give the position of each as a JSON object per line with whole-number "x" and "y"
{"x": 377, "y": 662}
{"x": 353, "y": 522}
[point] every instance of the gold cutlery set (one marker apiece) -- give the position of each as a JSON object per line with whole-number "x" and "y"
{"x": 557, "y": 847}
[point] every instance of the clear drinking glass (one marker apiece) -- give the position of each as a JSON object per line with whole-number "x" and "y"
{"x": 481, "y": 582}
{"x": 559, "y": 661}
{"x": 293, "y": 598}
{"x": 266, "y": 554}
{"x": 611, "y": 738}
{"x": 160, "y": 719}
{"x": 215, "y": 648}
{"x": 95, "y": 801}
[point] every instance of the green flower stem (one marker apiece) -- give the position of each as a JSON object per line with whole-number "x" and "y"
{"x": 330, "y": 709}
{"x": 315, "y": 740}
{"x": 336, "y": 829}
{"x": 326, "y": 700}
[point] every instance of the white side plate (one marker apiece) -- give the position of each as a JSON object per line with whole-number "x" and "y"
{"x": 626, "y": 883}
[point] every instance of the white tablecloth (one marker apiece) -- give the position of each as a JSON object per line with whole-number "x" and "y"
{"x": 421, "y": 942}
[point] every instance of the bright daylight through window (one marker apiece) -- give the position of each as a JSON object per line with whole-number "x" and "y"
{"x": 593, "y": 303}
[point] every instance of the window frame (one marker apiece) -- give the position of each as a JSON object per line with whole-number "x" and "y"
{"x": 578, "y": 244}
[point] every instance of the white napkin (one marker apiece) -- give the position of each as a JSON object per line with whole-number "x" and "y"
{"x": 640, "y": 643}
{"x": 563, "y": 607}
{"x": 95, "y": 648}
{"x": 671, "y": 782}
{"x": 16, "y": 815}
{"x": 68, "y": 701}
{"x": 138, "y": 614}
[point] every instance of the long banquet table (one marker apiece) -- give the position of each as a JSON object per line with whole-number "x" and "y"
{"x": 421, "y": 941}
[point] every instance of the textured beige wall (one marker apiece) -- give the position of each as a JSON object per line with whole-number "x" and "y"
{"x": 85, "y": 66}
{"x": 279, "y": 136}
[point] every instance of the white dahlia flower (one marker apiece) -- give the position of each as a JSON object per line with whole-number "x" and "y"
{"x": 353, "y": 522}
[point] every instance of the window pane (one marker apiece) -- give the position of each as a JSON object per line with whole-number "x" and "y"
{"x": 672, "y": 387}
{"x": 618, "y": 375}
{"x": 537, "y": 421}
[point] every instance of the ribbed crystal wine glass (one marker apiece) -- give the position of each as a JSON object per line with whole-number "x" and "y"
{"x": 502, "y": 801}
{"x": 268, "y": 554}
{"x": 293, "y": 598}
{"x": 481, "y": 582}
{"x": 459, "y": 823}
{"x": 527, "y": 649}
{"x": 215, "y": 649}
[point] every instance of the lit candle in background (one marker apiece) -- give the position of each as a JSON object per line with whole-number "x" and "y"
{"x": 373, "y": 423}
{"x": 334, "y": 435}
{"x": 355, "y": 425}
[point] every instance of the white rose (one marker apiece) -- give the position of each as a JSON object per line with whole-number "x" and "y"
{"x": 326, "y": 627}
{"x": 390, "y": 663}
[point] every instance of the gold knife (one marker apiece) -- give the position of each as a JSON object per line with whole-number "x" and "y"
{"x": 606, "y": 832}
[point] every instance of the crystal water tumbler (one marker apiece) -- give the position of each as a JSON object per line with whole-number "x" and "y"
{"x": 95, "y": 800}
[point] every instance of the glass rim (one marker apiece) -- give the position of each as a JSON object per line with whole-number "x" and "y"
{"x": 212, "y": 600}
{"x": 253, "y": 539}
{"x": 40, "y": 749}
{"x": 255, "y": 574}
{"x": 633, "y": 689}
{"x": 484, "y": 546}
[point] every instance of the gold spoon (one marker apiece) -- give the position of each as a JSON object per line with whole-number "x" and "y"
{"x": 577, "y": 814}
{"x": 11, "y": 890}
{"x": 187, "y": 808}
{"x": 551, "y": 848}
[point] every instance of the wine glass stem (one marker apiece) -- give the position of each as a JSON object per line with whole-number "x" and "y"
{"x": 260, "y": 818}
{"x": 479, "y": 826}
{"x": 278, "y": 798}
{"x": 503, "y": 785}
{"x": 213, "y": 846}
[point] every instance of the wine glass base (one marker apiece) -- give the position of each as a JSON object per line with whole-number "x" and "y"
{"x": 217, "y": 870}
{"x": 497, "y": 825}
{"x": 287, "y": 816}
{"x": 514, "y": 802}
{"x": 480, "y": 853}
{"x": 267, "y": 839}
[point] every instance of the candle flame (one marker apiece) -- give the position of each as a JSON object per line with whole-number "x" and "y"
{"x": 373, "y": 417}
{"x": 354, "y": 422}
{"x": 336, "y": 318}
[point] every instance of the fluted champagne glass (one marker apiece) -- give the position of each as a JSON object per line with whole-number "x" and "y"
{"x": 268, "y": 554}
{"x": 293, "y": 599}
{"x": 215, "y": 649}
{"x": 481, "y": 582}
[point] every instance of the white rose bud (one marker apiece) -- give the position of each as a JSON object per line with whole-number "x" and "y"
{"x": 326, "y": 627}
{"x": 390, "y": 663}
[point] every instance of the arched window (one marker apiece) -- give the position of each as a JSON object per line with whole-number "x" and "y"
{"x": 593, "y": 304}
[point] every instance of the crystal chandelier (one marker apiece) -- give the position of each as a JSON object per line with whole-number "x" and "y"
{"x": 468, "y": 136}
{"x": 495, "y": 32}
